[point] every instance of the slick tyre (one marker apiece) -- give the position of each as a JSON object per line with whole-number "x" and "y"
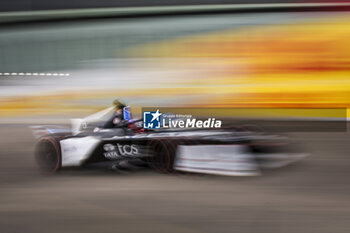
{"x": 48, "y": 154}
{"x": 163, "y": 155}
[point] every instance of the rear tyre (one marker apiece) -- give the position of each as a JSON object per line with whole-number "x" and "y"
{"x": 163, "y": 155}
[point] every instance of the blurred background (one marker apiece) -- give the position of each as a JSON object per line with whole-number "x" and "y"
{"x": 65, "y": 59}
{"x": 261, "y": 57}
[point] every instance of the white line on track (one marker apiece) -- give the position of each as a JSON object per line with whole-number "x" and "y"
{"x": 34, "y": 74}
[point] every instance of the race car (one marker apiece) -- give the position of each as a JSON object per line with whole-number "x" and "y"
{"x": 236, "y": 151}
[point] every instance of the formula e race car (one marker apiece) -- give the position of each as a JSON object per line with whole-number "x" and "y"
{"x": 226, "y": 151}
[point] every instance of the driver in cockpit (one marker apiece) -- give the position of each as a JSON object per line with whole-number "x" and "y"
{"x": 117, "y": 118}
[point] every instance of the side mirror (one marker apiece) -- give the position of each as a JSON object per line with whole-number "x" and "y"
{"x": 126, "y": 113}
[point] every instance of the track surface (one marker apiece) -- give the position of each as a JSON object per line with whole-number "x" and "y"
{"x": 310, "y": 196}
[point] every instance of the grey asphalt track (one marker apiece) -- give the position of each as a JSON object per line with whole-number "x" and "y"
{"x": 310, "y": 196}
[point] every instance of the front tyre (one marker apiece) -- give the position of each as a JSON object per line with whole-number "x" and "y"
{"x": 48, "y": 154}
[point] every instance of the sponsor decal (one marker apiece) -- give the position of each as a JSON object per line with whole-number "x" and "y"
{"x": 120, "y": 150}
{"x": 157, "y": 120}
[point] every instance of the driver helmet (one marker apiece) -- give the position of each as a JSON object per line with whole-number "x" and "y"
{"x": 118, "y": 104}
